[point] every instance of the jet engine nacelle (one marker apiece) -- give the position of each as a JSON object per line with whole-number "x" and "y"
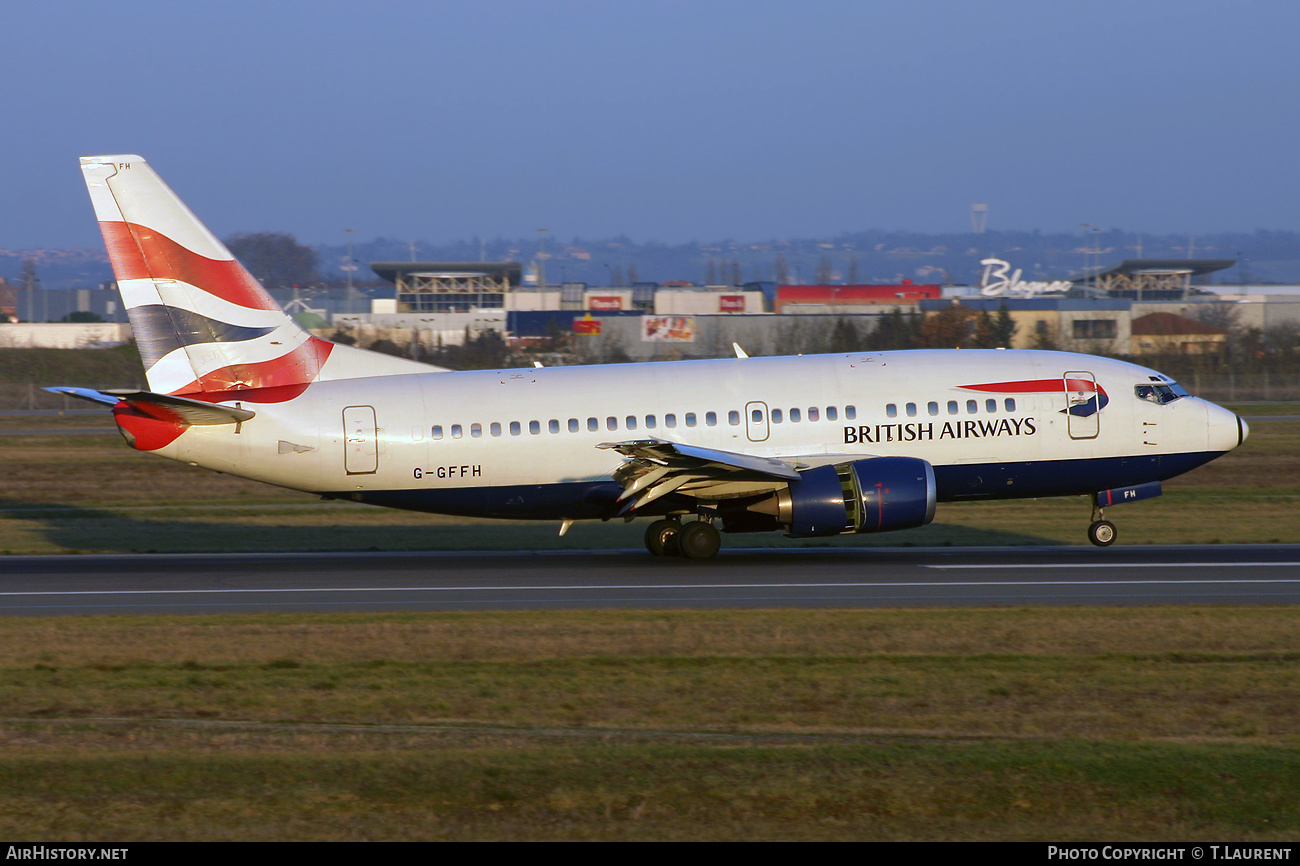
{"x": 874, "y": 495}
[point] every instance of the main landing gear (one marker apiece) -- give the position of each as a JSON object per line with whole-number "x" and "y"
{"x": 1101, "y": 532}
{"x": 694, "y": 540}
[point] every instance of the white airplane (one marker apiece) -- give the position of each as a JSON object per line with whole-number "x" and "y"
{"x": 815, "y": 446}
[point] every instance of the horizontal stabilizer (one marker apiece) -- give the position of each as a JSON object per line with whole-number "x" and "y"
{"x": 186, "y": 411}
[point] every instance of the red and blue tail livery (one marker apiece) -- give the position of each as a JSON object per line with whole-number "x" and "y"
{"x": 811, "y": 446}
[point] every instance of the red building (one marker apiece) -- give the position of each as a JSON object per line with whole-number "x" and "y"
{"x": 905, "y": 292}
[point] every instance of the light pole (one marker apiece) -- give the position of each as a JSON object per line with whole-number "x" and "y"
{"x": 1092, "y": 249}
{"x": 541, "y": 262}
{"x": 349, "y": 266}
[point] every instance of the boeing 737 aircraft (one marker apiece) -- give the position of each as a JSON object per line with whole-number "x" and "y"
{"x": 814, "y": 446}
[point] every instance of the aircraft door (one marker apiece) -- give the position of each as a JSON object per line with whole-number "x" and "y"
{"x": 360, "y": 440}
{"x": 756, "y": 421}
{"x": 1082, "y": 405}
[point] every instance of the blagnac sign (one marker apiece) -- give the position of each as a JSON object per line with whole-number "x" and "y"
{"x": 996, "y": 281}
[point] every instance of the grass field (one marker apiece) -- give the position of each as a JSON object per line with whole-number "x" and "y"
{"x": 1069, "y": 726}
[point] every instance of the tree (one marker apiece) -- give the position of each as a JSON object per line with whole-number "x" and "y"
{"x": 825, "y": 271}
{"x": 275, "y": 259}
{"x": 1004, "y": 327}
{"x": 984, "y": 336}
{"x": 1044, "y": 336}
{"x": 895, "y": 331}
{"x": 950, "y": 328}
{"x": 844, "y": 336}
{"x": 782, "y": 270}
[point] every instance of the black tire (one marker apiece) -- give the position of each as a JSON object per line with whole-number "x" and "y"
{"x": 699, "y": 540}
{"x": 661, "y": 538}
{"x": 1102, "y": 533}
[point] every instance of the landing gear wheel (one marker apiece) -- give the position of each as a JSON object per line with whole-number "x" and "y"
{"x": 1102, "y": 533}
{"x": 699, "y": 540}
{"x": 661, "y": 538}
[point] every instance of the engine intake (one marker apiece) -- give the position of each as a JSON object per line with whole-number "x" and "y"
{"x": 878, "y": 494}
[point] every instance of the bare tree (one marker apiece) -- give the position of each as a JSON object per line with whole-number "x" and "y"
{"x": 275, "y": 258}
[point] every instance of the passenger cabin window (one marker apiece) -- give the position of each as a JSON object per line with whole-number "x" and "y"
{"x": 573, "y": 425}
{"x": 455, "y": 431}
{"x": 972, "y": 407}
{"x": 495, "y": 429}
{"x": 553, "y": 425}
{"x": 932, "y": 407}
{"x": 611, "y": 423}
{"x": 690, "y": 419}
{"x": 631, "y": 422}
{"x": 534, "y": 427}
{"x": 733, "y": 418}
{"x": 832, "y": 413}
{"x": 711, "y": 419}
{"x": 1009, "y": 404}
{"x": 911, "y": 410}
{"x": 990, "y": 405}
{"x": 814, "y": 413}
{"x": 952, "y": 407}
{"x": 650, "y": 422}
{"x": 776, "y": 416}
{"x": 850, "y": 413}
{"x": 794, "y": 416}
{"x": 891, "y": 411}
{"x": 593, "y": 424}
{"x": 476, "y": 430}
{"x": 515, "y": 429}
{"x": 670, "y": 421}
{"x": 437, "y": 431}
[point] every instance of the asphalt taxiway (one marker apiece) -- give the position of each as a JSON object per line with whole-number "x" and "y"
{"x": 738, "y": 578}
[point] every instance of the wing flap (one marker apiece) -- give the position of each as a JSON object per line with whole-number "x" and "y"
{"x": 653, "y": 468}
{"x": 678, "y": 456}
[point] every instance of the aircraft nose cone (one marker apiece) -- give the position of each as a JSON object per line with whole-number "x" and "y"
{"x": 1226, "y": 429}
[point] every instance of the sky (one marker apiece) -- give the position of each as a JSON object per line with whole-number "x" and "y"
{"x": 656, "y": 119}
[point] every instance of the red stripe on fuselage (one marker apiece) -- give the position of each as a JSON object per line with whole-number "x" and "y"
{"x": 138, "y": 252}
{"x": 1029, "y": 386}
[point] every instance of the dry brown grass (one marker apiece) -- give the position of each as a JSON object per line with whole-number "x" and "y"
{"x": 1083, "y": 725}
{"x": 1167, "y": 673}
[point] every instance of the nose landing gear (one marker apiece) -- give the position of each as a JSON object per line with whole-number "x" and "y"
{"x": 1102, "y": 532}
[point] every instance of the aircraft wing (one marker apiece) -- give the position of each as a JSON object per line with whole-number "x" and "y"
{"x": 655, "y": 468}
{"x": 181, "y": 409}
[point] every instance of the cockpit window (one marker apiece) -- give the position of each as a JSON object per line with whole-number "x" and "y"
{"x": 1160, "y": 393}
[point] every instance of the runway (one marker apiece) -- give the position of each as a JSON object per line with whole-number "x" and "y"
{"x": 753, "y": 578}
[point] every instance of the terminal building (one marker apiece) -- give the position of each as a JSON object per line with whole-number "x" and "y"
{"x": 1135, "y": 307}
{"x": 1138, "y": 306}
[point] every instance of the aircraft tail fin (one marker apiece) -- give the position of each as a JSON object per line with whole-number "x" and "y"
{"x": 203, "y": 324}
